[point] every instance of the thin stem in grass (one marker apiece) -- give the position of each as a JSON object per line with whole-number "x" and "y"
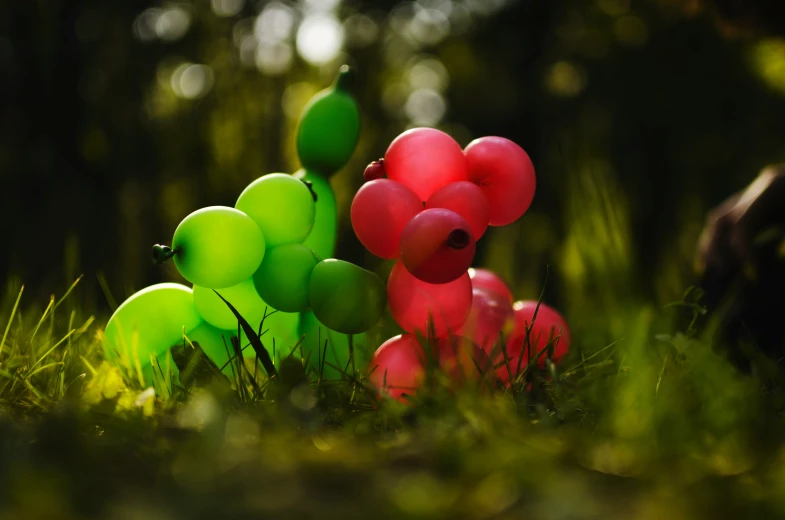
{"x": 11, "y": 318}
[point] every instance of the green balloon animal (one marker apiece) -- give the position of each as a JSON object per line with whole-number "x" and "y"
{"x": 270, "y": 257}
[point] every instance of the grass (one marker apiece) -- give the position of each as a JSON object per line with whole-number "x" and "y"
{"x": 655, "y": 424}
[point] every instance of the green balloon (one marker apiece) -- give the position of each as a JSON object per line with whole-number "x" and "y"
{"x": 279, "y": 335}
{"x": 322, "y": 237}
{"x": 282, "y": 279}
{"x": 217, "y": 345}
{"x": 329, "y": 128}
{"x": 217, "y": 247}
{"x": 149, "y": 323}
{"x": 335, "y": 359}
{"x": 242, "y": 296}
{"x": 283, "y": 207}
{"x": 345, "y": 297}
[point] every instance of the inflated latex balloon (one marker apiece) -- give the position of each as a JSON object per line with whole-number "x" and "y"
{"x": 437, "y": 246}
{"x": 333, "y": 362}
{"x": 217, "y": 247}
{"x": 279, "y": 334}
{"x": 487, "y": 279}
{"x": 380, "y": 210}
{"x": 397, "y": 367}
{"x": 282, "y": 279}
{"x": 425, "y": 160}
{"x": 282, "y": 206}
{"x": 149, "y": 323}
{"x": 217, "y": 345}
{"x": 466, "y": 199}
{"x": 548, "y": 325}
{"x": 414, "y": 302}
{"x": 490, "y": 315}
{"x": 505, "y": 173}
{"x": 329, "y": 127}
{"x": 324, "y": 232}
{"x": 345, "y": 297}
{"x": 242, "y": 296}
{"x": 463, "y": 360}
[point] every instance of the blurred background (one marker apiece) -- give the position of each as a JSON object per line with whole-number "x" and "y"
{"x": 120, "y": 118}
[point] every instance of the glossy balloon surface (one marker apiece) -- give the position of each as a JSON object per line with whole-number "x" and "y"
{"x": 414, "y": 302}
{"x": 282, "y": 279}
{"x": 505, "y": 173}
{"x": 149, "y": 323}
{"x": 466, "y": 199}
{"x": 546, "y": 326}
{"x": 437, "y": 246}
{"x": 490, "y": 315}
{"x": 217, "y": 345}
{"x": 345, "y": 297}
{"x": 463, "y": 360}
{"x": 242, "y": 296}
{"x": 397, "y": 367}
{"x": 488, "y": 280}
{"x": 281, "y": 205}
{"x": 334, "y": 361}
{"x": 329, "y": 129}
{"x": 380, "y": 210}
{"x": 324, "y": 232}
{"x": 425, "y": 160}
{"x": 217, "y": 247}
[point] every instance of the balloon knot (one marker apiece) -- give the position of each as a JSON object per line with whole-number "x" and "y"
{"x": 458, "y": 239}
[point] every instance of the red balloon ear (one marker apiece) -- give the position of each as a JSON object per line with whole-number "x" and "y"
{"x": 506, "y": 175}
{"x": 466, "y": 199}
{"x": 380, "y": 210}
{"x": 425, "y": 160}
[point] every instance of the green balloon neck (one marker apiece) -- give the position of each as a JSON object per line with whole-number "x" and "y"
{"x": 345, "y": 80}
{"x": 162, "y": 253}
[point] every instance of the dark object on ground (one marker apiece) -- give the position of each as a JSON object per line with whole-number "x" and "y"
{"x": 741, "y": 255}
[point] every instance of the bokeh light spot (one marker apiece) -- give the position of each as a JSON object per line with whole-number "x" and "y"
{"x": 172, "y": 23}
{"x": 227, "y": 7}
{"x": 275, "y": 23}
{"x": 429, "y": 26}
{"x": 361, "y": 30}
{"x": 631, "y": 30}
{"x": 191, "y": 81}
{"x": 565, "y": 79}
{"x": 274, "y": 58}
{"x": 319, "y": 39}
{"x": 428, "y": 73}
{"x": 425, "y": 107}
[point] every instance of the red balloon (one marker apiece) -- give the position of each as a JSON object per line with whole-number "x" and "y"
{"x": 490, "y": 314}
{"x": 425, "y": 159}
{"x": 414, "y": 302}
{"x": 461, "y": 359}
{"x": 466, "y": 199}
{"x": 487, "y": 279}
{"x": 437, "y": 246}
{"x": 380, "y": 210}
{"x": 505, "y": 173}
{"x": 548, "y": 325}
{"x": 397, "y": 366}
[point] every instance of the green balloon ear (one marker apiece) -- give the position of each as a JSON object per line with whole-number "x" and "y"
{"x": 329, "y": 128}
